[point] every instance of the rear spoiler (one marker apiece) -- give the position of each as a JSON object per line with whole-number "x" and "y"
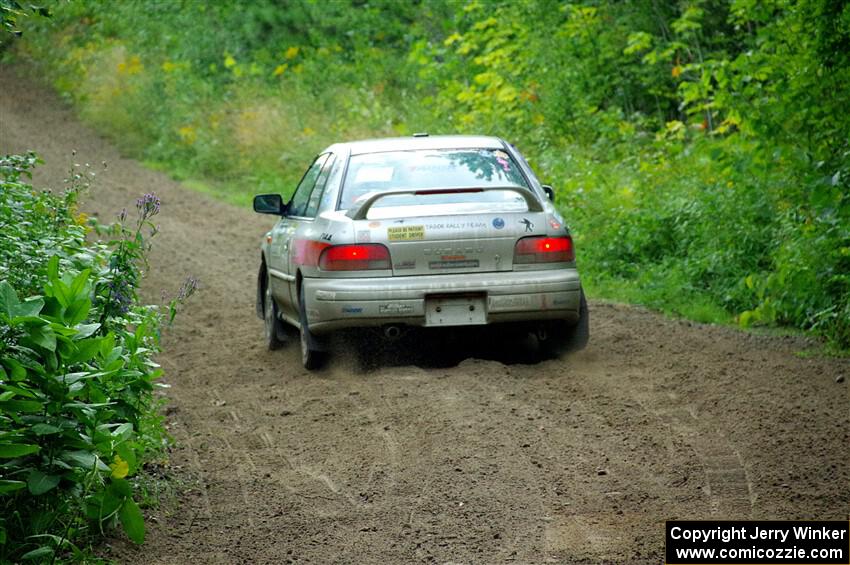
{"x": 360, "y": 212}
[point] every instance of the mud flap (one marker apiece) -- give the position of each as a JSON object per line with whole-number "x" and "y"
{"x": 261, "y": 277}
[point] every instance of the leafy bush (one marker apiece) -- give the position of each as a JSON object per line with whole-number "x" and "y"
{"x": 77, "y": 415}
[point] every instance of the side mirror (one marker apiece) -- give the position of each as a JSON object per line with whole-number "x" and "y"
{"x": 550, "y": 192}
{"x": 269, "y": 204}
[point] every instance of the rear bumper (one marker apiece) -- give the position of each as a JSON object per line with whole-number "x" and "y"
{"x": 510, "y": 297}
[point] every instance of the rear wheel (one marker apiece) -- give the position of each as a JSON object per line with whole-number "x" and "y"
{"x": 312, "y": 355}
{"x": 274, "y": 330}
{"x": 565, "y": 338}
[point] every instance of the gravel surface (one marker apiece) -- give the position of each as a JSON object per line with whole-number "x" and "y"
{"x": 441, "y": 450}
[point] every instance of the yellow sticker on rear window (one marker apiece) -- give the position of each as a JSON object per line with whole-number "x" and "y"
{"x": 406, "y": 233}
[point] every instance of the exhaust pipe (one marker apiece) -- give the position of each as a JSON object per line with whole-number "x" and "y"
{"x": 392, "y": 332}
{"x": 542, "y": 333}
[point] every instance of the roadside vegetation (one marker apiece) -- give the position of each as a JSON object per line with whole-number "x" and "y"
{"x": 700, "y": 149}
{"x": 78, "y": 414}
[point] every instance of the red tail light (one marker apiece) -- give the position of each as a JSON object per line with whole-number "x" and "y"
{"x": 359, "y": 257}
{"x": 544, "y": 249}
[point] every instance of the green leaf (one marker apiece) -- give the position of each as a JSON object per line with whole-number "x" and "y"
{"x": 27, "y": 320}
{"x": 77, "y": 311}
{"x": 133, "y": 521}
{"x": 85, "y": 330}
{"x": 8, "y": 300}
{"x": 51, "y": 362}
{"x": 62, "y": 293}
{"x": 18, "y": 391}
{"x": 83, "y": 459}
{"x": 112, "y": 356}
{"x": 103, "y": 504}
{"x": 86, "y": 349}
{"x": 53, "y": 268}
{"x": 41, "y": 552}
{"x": 18, "y": 371}
{"x": 87, "y": 405}
{"x": 45, "y": 429}
{"x": 123, "y": 430}
{"x": 107, "y": 345}
{"x": 63, "y": 330}
{"x": 28, "y": 309}
{"x": 11, "y": 486}
{"x": 21, "y": 405}
{"x": 71, "y": 378}
{"x": 43, "y": 336}
{"x": 128, "y": 454}
{"x": 39, "y": 483}
{"x": 52, "y": 307}
{"x": 78, "y": 285}
{"x": 12, "y": 450}
{"x": 121, "y": 488}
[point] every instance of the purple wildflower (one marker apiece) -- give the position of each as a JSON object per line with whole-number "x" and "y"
{"x": 120, "y": 296}
{"x": 148, "y": 205}
{"x": 188, "y": 288}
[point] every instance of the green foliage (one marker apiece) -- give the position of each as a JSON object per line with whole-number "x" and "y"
{"x": 77, "y": 413}
{"x": 700, "y": 147}
{"x": 11, "y": 13}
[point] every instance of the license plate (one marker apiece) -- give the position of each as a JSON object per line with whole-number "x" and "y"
{"x": 460, "y": 311}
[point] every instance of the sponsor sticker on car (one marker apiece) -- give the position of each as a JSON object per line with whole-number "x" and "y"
{"x": 406, "y": 233}
{"x": 395, "y": 308}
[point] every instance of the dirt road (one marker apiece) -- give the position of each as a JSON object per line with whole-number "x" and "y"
{"x": 422, "y": 459}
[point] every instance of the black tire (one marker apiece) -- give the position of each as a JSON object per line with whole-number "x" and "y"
{"x": 566, "y": 338}
{"x": 274, "y": 331}
{"x": 312, "y": 355}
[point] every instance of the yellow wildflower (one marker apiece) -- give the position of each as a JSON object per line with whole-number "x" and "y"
{"x": 134, "y": 66}
{"x": 188, "y": 135}
{"x": 452, "y": 39}
{"x": 120, "y": 468}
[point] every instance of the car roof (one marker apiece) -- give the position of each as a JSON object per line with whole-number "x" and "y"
{"x": 422, "y": 142}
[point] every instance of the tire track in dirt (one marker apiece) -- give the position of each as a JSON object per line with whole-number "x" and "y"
{"x": 419, "y": 459}
{"x": 727, "y": 484}
{"x": 572, "y": 527}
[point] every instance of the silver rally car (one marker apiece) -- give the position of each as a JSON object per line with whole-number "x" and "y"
{"x": 428, "y": 231}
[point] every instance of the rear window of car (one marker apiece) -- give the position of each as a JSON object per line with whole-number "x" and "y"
{"x": 423, "y": 169}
